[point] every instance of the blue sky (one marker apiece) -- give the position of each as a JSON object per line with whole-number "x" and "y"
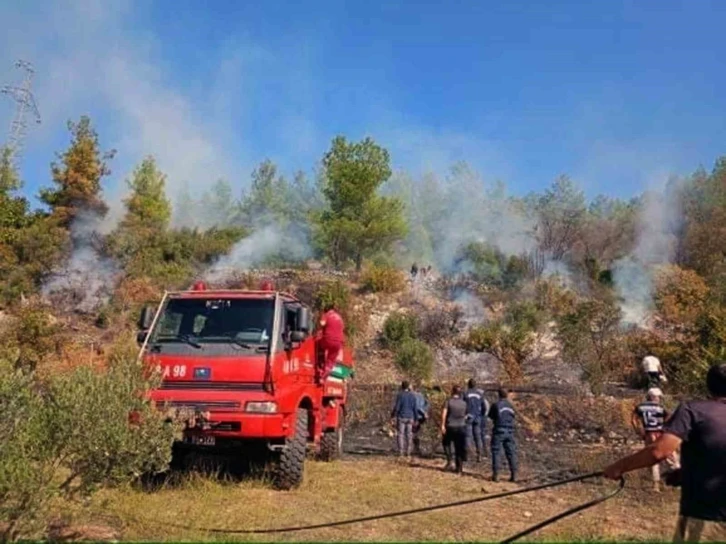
{"x": 616, "y": 94}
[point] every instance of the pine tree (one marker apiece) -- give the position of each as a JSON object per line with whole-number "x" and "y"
{"x": 218, "y": 206}
{"x": 358, "y": 222}
{"x": 141, "y": 233}
{"x": 78, "y": 176}
{"x": 268, "y": 198}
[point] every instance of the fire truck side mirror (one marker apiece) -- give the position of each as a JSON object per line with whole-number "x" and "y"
{"x": 303, "y": 319}
{"x": 146, "y": 318}
{"x": 297, "y": 336}
{"x": 141, "y": 337}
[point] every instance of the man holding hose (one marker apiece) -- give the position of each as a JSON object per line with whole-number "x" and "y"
{"x": 699, "y": 428}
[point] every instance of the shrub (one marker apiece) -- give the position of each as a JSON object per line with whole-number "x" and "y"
{"x": 31, "y": 339}
{"x": 71, "y": 434}
{"x": 591, "y": 338}
{"x": 680, "y": 296}
{"x": 438, "y": 324}
{"x": 511, "y": 340}
{"x": 415, "y": 359}
{"x": 383, "y": 279}
{"x": 336, "y": 293}
{"x": 552, "y": 298}
{"x": 398, "y": 328}
{"x": 485, "y": 262}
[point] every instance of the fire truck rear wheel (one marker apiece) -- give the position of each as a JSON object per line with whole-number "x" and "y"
{"x": 331, "y": 443}
{"x": 289, "y": 473}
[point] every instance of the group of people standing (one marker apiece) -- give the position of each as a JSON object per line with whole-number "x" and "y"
{"x": 463, "y": 426}
{"x": 415, "y": 271}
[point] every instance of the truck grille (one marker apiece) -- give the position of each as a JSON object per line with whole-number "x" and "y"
{"x": 211, "y": 386}
{"x": 201, "y": 406}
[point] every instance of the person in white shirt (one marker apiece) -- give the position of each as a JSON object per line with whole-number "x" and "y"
{"x": 654, "y": 371}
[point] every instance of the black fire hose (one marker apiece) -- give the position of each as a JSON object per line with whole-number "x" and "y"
{"x": 352, "y": 521}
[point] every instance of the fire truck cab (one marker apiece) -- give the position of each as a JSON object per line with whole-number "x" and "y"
{"x": 242, "y": 369}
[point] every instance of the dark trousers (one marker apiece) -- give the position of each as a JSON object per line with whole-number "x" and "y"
{"x": 475, "y": 433}
{"x": 504, "y": 439}
{"x": 455, "y": 439}
{"x": 653, "y": 379}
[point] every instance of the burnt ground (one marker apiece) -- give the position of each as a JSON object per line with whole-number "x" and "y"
{"x": 559, "y": 432}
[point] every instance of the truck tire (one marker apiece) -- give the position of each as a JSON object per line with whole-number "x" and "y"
{"x": 331, "y": 443}
{"x": 290, "y": 468}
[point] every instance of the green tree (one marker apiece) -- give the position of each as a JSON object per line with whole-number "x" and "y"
{"x": 147, "y": 207}
{"x": 267, "y": 199}
{"x": 218, "y": 205}
{"x": 78, "y": 176}
{"x": 9, "y": 179}
{"x": 139, "y": 241}
{"x": 358, "y": 222}
{"x": 592, "y": 339}
{"x": 417, "y": 246}
{"x": 185, "y": 208}
{"x": 511, "y": 340}
{"x": 30, "y": 244}
{"x": 703, "y": 242}
{"x": 560, "y": 214}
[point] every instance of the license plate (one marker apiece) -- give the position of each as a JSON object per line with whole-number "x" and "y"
{"x": 202, "y": 440}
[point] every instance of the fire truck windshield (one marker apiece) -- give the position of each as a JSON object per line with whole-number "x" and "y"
{"x": 202, "y": 325}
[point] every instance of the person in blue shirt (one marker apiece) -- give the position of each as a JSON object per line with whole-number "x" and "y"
{"x": 503, "y": 417}
{"x": 476, "y": 411}
{"x": 404, "y": 413}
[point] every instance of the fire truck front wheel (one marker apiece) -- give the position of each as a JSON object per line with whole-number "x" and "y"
{"x": 290, "y": 468}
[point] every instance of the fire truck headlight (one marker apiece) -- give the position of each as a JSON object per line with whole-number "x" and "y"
{"x": 261, "y": 407}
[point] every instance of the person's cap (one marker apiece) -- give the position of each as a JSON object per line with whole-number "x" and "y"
{"x": 655, "y": 392}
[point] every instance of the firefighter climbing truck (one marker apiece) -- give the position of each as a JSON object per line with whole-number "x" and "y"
{"x": 242, "y": 369}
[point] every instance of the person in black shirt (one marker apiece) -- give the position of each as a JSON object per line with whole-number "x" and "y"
{"x": 453, "y": 429}
{"x": 404, "y": 413}
{"x": 699, "y": 428}
{"x": 502, "y": 414}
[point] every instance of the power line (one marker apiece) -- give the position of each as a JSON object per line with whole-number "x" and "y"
{"x": 24, "y": 105}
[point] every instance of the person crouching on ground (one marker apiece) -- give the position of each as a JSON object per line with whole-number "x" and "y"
{"x": 698, "y": 427}
{"x": 453, "y": 430}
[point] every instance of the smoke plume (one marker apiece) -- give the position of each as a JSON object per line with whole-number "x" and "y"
{"x": 87, "y": 279}
{"x": 271, "y": 241}
{"x": 461, "y": 209}
{"x": 660, "y": 217}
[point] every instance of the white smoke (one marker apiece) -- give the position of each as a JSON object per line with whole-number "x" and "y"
{"x": 87, "y": 279}
{"x": 659, "y": 220}
{"x": 461, "y": 209}
{"x": 473, "y": 310}
{"x": 268, "y": 241}
{"x": 559, "y": 272}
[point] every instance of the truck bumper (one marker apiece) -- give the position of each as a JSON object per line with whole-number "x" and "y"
{"x": 240, "y": 426}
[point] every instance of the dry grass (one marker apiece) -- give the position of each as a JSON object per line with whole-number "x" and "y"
{"x": 352, "y": 488}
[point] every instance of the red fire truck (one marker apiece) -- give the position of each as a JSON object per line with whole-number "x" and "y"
{"x": 243, "y": 369}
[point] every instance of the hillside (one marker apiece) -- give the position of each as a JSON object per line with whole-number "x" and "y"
{"x": 549, "y": 294}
